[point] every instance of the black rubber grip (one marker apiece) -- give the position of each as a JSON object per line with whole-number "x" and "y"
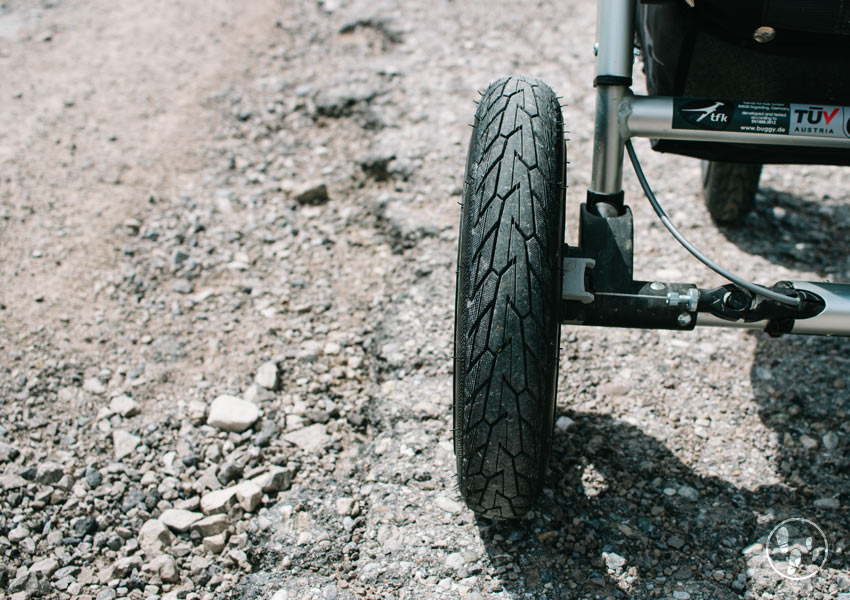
{"x": 612, "y": 80}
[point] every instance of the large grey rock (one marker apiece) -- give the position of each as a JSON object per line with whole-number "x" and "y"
{"x": 455, "y": 561}
{"x": 229, "y": 471}
{"x": 125, "y": 566}
{"x": 10, "y": 481}
{"x": 211, "y": 525}
{"x": 215, "y": 543}
{"x": 831, "y": 503}
{"x": 164, "y": 566}
{"x": 48, "y": 473}
{"x": 240, "y": 558}
{"x": 256, "y": 393}
{"x": 218, "y": 501}
{"x": 267, "y": 376}
{"x": 124, "y": 405}
{"x": 48, "y": 566}
{"x": 93, "y": 385}
{"x": 275, "y": 480}
{"x": 18, "y": 534}
{"x": 310, "y": 439}
{"x": 179, "y": 520}
{"x": 106, "y": 594}
{"x": 198, "y": 565}
{"x": 190, "y": 504}
{"x": 448, "y": 505}
{"x": 688, "y": 493}
{"x": 232, "y": 414}
{"x": 249, "y": 495}
{"x": 8, "y": 453}
{"x": 124, "y": 442}
{"x": 345, "y": 506}
{"x": 154, "y": 537}
{"x": 196, "y": 411}
{"x": 613, "y": 561}
{"x": 830, "y": 440}
{"x": 564, "y": 422}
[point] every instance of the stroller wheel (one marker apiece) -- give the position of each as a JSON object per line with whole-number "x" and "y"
{"x": 729, "y": 190}
{"x": 507, "y": 324}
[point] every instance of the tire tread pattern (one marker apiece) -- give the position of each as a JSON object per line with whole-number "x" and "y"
{"x": 507, "y": 327}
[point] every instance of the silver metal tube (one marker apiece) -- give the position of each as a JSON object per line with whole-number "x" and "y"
{"x": 652, "y": 117}
{"x": 615, "y": 45}
{"x": 608, "y": 142}
{"x": 615, "y": 35}
{"x": 835, "y": 318}
{"x": 709, "y": 320}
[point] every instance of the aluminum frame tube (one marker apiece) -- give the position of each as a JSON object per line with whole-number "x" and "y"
{"x": 835, "y": 317}
{"x": 615, "y": 24}
{"x": 709, "y": 320}
{"x": 652, "y": 117}
{"x": 615, "y": 34}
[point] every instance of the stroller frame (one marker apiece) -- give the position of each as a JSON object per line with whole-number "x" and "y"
{"x": 517, "y": 282}
{"x": 598, "y": 286}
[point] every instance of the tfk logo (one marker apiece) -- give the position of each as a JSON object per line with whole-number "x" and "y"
{"x": 823, "y": 121}
{"x": 707, "y": 114}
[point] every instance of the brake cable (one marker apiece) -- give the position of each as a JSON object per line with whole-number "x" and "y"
{"x": 665, "y": 220}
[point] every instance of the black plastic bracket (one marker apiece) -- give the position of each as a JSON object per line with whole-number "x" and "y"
{"x": 606, "y": 205}
{"x": 606, "y": 254}
{"x": 610, "y": 242}
{"x": 598, "y": 286}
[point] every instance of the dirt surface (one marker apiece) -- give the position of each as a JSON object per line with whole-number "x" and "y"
{"x": 258, "y": 201}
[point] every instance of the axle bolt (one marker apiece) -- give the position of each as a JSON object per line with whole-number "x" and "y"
{"x": 736, "y": 300}
{"x": 684, "y": 319}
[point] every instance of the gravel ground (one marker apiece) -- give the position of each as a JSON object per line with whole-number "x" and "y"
{"x": 227, "y": 242}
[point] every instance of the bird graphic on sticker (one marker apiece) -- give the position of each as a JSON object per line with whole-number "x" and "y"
{"x": 707, "y": 114}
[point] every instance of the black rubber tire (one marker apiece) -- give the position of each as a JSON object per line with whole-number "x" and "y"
{"x": 729, "y": 190}
{"x": 507, "y": 325}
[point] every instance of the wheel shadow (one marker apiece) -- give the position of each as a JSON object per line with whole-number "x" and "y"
{"x": 796, "y": 233}
{"x": 802, "y": 388}
{"x": 613, "y": 518}
{"x": 625, "y": 518}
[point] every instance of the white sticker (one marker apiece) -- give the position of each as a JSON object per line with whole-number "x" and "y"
{"x": 819, "y": 120}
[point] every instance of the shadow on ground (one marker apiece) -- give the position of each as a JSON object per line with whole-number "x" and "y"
{"x": 797, "y": 233}
{"x": 622, "y": 509}
{"x": 610, "y": 521}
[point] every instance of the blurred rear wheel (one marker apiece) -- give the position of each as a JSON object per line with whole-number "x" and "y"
{"x": 729, "y": 190}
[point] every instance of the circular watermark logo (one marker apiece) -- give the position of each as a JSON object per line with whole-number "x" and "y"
{"x": 796, "y": 549}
